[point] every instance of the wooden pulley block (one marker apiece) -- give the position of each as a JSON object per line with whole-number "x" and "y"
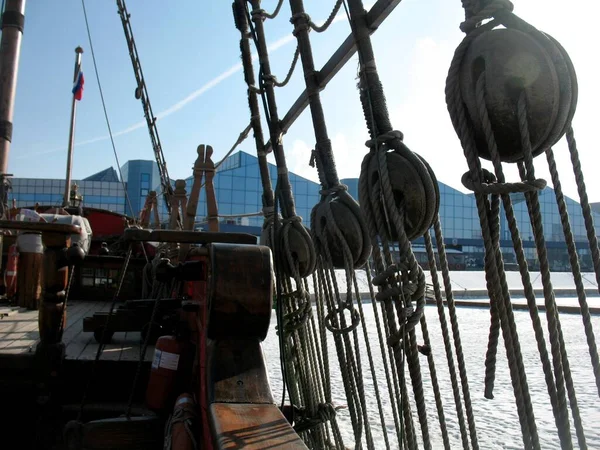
{"x": 348, "y": 225}
{"x": 513, "y": 62}
{"x": 569, "y": 77}
{"x": 240, "y": 291}
{"x": 293, "y": 237}
{"x": 414, "y": 189}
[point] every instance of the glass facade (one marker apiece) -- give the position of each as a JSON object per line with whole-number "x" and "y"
{"x": 238, "y": 190}
{"x": 96, "y": 194}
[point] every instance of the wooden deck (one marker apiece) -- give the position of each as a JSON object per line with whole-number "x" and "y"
{"x": 19, "y": 334}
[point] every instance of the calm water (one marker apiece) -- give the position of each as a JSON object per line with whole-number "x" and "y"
{"x": 496, "y": 420}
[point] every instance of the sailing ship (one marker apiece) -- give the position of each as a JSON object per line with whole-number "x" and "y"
{"x": 177, "y": 361}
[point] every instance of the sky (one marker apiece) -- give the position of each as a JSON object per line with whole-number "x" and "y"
{"x": 190, "y": 57}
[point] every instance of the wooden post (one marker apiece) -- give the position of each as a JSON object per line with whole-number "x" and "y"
{"x": 203, "y": 165}
{"x": 211, "y": 199}
{"x": 192, "y": 206}
{"x": 178, "y": 203}
{"x": 30, "y": 273}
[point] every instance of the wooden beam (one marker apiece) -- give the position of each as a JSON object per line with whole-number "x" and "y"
{"x": 375, "y": 17}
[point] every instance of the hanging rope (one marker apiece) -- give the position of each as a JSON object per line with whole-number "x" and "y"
{"x": 574, "y": 260}
{"x": 478, "y": 94}
{"x": 559, "y": 410}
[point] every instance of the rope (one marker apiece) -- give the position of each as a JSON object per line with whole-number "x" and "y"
{"x": 274, "y": 13}
{"x": 112, "y": 141}
{"x": 559, "y": 356}
{"x": 585, "y": 203}
{"x": 574, "y": 260}
{"x": 435, "y": 384}
{"x": 288, "y": 77}
{"x": 104, "y": 330}
{"x": 446, "y": 337}
{"x": 61, "y": 324}
{"x": 493, "y": 264}
{"x": 312, "y": 25}
{"x": 561, "y": 423}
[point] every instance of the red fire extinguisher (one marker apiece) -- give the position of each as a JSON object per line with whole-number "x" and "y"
{"x": 168, "y": 352}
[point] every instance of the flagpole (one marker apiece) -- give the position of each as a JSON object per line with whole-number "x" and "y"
{"x": 67, "y": 195}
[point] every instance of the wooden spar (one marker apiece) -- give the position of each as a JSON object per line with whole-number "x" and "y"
{"x": 375, "y": 17}
{"x": 13, "y": 20}
{"x": 67, "y": 194}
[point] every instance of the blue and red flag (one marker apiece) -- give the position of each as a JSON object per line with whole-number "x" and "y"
{"x": 78, "y": 86}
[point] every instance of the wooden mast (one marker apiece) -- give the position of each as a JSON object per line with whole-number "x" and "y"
{"x": 13, "y": 20}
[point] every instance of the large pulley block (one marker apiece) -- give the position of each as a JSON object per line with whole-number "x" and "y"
{"x": 240, "y": 291}
{"x": 414, "y": 188}
{"x": 338, "y": 223}
{"x": 514, "y": 62}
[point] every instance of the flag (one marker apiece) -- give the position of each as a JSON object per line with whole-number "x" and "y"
{"x": 78, "y": 86}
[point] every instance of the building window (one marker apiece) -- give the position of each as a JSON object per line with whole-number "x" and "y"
{"x": 145, "y": 181}
{"x": 144, "y": 192}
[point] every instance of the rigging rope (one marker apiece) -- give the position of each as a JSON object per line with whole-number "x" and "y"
{"x": 112, "y": 141}
{"x": 528, "y": 133}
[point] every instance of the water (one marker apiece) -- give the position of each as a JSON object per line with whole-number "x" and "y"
{"x": 496, "y": 420}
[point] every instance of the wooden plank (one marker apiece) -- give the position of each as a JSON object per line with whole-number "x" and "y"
{"x": 252, "y": 427}
{"x": 21, "y": 333}
{"x": 83, "y": 345}
{"x": 113, "y": 350}
{"x": 375, "y": 17}
{"x": 130, "y": 351}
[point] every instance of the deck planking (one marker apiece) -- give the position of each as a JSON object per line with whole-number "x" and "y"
{"x": 19, "y": 335}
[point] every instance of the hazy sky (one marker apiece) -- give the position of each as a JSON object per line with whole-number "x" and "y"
{"x": 191, "y": 62}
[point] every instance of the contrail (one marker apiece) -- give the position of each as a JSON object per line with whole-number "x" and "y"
{"x": 177, "y": 106}
{"x": 181, "y": 103}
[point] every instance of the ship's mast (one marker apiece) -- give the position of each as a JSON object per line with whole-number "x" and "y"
{"x": 141, "y": 93}
{"x": 13, "y": 20}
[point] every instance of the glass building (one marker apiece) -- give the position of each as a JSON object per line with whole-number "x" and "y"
{"x": 238, "y": 192}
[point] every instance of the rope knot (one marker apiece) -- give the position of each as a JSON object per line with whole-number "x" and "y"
{"x": 258, "y": 14}
{"x": 327, "y": 411}
{"x": 296, "y": 319}
{"x": 268, "y": 212}
{"x": 292, "y": 219}
{"x": 489, "y": 185}
{"x": 342, "y": 328}
{"x": 385, "y": 138}
{"x": 477, "y": 12}
{"x": 301, "y": 22}
{"x": 269, "y": 78}
{"x": 334, "y": 190}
